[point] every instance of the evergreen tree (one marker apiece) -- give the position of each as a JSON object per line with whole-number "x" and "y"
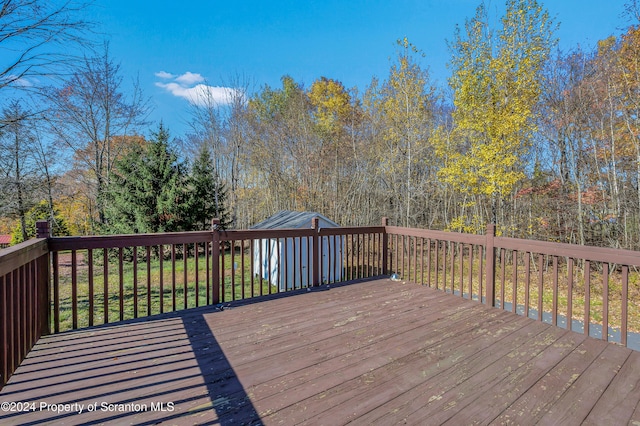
{"x": 147, "y": 192}
{"x": 207, "y": 196}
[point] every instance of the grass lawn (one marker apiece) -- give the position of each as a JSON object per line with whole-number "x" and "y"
{"x": 149, "y": 287}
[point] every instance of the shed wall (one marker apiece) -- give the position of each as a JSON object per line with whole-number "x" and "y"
{"x": 288, "y": 263}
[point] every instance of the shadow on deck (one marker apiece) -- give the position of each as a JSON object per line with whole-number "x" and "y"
{"x": 156, "y": 369}
{"x": 373, "y": 352}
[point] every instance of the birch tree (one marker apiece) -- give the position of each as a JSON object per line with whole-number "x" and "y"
{"x": 404, "y": 104}
{"x": 497, "y": 83}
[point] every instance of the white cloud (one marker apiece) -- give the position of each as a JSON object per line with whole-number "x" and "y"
{"x": 17, "y": 81}
{"x": 191, "y": 86}
{"x": 164, "y": 75}
{"x": 189, "y": 78}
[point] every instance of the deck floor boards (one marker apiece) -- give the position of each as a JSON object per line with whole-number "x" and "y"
{"x": 372, "y": 352}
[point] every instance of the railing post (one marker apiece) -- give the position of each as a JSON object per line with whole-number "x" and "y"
{"x": 315, "y": 243}
{"x": 43, "y": 229}
{"x": 490, "y": 255}
{"x": 385, "y": 247}
{"x": 43, "y": 278}
{"x": 215, "y": 261}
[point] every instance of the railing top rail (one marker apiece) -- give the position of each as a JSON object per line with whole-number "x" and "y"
{"x": 30, "y": 249}
{"x": 592, "y": 253}
{"x": 255, "y": 234}
{"x": 249, "y": 234}
{"x": 576, "y": 251}
{"x": 129, "y": 240}
{"x": 21, "y": 254}
{"x": 353, "y": 230}
{"x": 140, "y": 240}
{"x": 437, "y": 235}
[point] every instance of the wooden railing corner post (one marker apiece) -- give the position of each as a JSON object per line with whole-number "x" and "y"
{"x": 385, "y": 247}
{"x": 215, "y": 264}
{"x": 43, "y": 229}
{"x": 490, "y": 256}
{"x": 316, "y": 243}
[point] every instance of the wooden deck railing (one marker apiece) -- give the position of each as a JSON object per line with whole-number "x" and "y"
{"x": 102, "y": 279}
{"x": 591, "y": 290}
{"x": 63, "y": 283}
{"x": 24, "y": 300}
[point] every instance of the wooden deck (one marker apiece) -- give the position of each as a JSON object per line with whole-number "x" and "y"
{"x": 375, "y": 352}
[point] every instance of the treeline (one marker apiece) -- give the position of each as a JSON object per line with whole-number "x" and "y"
{"x": 543, "y": 142}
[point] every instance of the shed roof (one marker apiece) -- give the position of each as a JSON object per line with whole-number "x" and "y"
{"x": 5, "y": 240}
{"x": 291, "y": 219}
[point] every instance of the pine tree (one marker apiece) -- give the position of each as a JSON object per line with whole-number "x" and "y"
{"x": 147, "y": 193}
{"x": 207, "y": 194}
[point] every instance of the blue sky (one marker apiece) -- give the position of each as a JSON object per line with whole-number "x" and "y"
{"x": 172, "y": 47}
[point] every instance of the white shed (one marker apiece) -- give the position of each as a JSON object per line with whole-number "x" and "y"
{"x": 286, "y": 262}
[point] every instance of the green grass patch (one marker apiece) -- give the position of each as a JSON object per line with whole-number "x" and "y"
{"x": 147, "y": 287}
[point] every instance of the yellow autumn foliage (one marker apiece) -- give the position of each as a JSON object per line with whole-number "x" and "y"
{"x": 496, "y": 82}
{"x": 332, "y": 104}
